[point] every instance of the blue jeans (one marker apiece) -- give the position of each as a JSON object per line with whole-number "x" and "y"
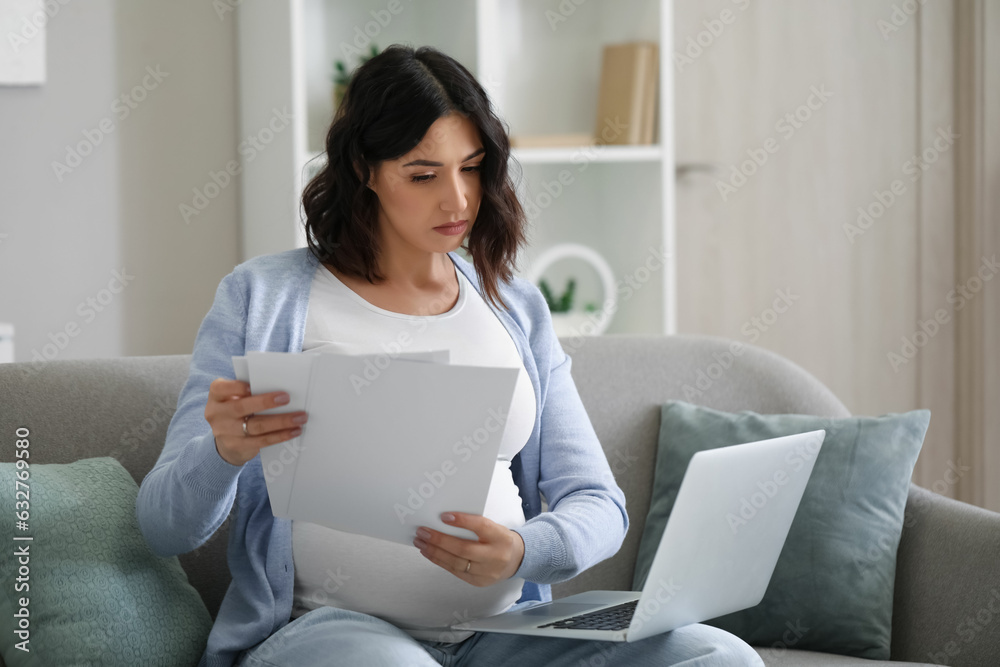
{"x": 331, "y": 636}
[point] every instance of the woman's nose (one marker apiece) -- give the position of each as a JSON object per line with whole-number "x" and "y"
{"x": 454, "y": 195}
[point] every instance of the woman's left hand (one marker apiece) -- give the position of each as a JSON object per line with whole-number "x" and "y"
{"x": 496, "y": 556}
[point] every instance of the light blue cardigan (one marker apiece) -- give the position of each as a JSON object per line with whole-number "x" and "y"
{"x": 190, "y": 491}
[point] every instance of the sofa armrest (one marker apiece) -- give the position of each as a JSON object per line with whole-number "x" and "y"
{"x": 946, "y": 605}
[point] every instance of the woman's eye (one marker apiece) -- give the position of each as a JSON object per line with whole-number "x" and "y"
{"x": 423, "y": 178}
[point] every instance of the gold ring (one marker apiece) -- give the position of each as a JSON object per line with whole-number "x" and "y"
{"x": 467, "y": 566}
{"x": 245, "y": 419}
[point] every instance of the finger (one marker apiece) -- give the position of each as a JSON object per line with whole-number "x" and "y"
{"x": 239, "y": 450}
{"x": 255, "y": 442}
{"x": 457, "y": 548}
{"x": 485, "y": 529}
{"x": 272, "y": 438}
{"x": 249, "y": 405}
{"x": 218, "y": 407}
{"x": 263, "y": 424}
{"x": 221, "y": 389}
{"x": 444, "y": 558}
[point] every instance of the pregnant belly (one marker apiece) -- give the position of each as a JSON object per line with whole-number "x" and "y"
{"x": 394, "y": 581}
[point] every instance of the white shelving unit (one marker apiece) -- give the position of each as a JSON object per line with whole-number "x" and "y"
{"x": 540, "y": 64}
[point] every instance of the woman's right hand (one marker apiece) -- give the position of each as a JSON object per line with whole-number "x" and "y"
{"x": 229, "y": 402}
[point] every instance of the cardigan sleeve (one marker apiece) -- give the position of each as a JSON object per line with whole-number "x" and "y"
{"x": 190, "y": 491}
{"x": 586, "y": 521}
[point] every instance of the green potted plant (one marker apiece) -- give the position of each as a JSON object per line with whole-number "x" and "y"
{"x": 341, "y": 77}
{"x": 592, "y": 319}
{"x": 564, "y": 320}
{"x": 565, "y": 302}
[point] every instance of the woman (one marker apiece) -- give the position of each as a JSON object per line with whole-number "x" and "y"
{"x": 417, "y": 166}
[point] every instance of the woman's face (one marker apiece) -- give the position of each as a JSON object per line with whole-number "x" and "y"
{"x": 436, "y": 183}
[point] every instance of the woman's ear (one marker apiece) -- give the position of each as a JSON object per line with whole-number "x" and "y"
{"x": 371, "y": 176}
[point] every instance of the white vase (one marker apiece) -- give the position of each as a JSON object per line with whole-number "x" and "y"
{"x": 577, "y": 323}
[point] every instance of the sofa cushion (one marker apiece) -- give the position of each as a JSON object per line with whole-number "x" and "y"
{"x": 93, "y": 591}
{"x": 779, "y": 657}
{"x": 834, "y": 578}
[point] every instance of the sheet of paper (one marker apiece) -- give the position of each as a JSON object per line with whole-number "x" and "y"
{"x": 280, "y": 371}
{"x": 279, "y": 485}
{"x": 442, "y": 459}
{"x": 382, "y": 456}
{"x": 241, "y": 370}
{"x": 285, "y": 371}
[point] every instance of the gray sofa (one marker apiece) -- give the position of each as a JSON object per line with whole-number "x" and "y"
{"x": 948, "y": 556}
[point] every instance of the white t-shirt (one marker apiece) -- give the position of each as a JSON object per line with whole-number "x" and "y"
{"x": 385, "y": 579}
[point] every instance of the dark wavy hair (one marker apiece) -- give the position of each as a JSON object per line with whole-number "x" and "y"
{"x": 390, "y": 102}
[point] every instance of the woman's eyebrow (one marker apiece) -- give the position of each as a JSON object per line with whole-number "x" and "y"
{"x": 428, "y": 163}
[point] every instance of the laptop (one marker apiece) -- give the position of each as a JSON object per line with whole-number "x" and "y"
{"x": 716, "y": 556}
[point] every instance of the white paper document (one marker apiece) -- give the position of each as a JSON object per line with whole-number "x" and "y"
{"x": 390, "y": 444}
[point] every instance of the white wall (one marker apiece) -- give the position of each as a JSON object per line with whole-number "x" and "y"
{"x": 119, "y": 208}
{"x": 778, "y": 255}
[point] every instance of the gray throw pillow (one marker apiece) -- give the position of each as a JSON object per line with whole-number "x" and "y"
{"x": 91, "y": 592}
{"x": 833, "y": 584}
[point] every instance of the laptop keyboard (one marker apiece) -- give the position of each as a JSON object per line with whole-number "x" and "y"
{"x": 612, "y": 618}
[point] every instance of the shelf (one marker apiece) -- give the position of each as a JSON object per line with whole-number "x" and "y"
{"x": 540, "y": 63}
{"x": 591, "y": 153}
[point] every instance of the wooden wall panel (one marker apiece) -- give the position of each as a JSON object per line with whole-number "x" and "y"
{"x": 881, "y": 85}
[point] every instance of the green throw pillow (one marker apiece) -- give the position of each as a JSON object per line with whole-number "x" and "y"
{"x": 95, "y": 594}
{"x": 832, "y": 586}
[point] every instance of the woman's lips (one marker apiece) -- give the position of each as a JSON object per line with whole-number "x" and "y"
{"x": 453, "y": 228}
